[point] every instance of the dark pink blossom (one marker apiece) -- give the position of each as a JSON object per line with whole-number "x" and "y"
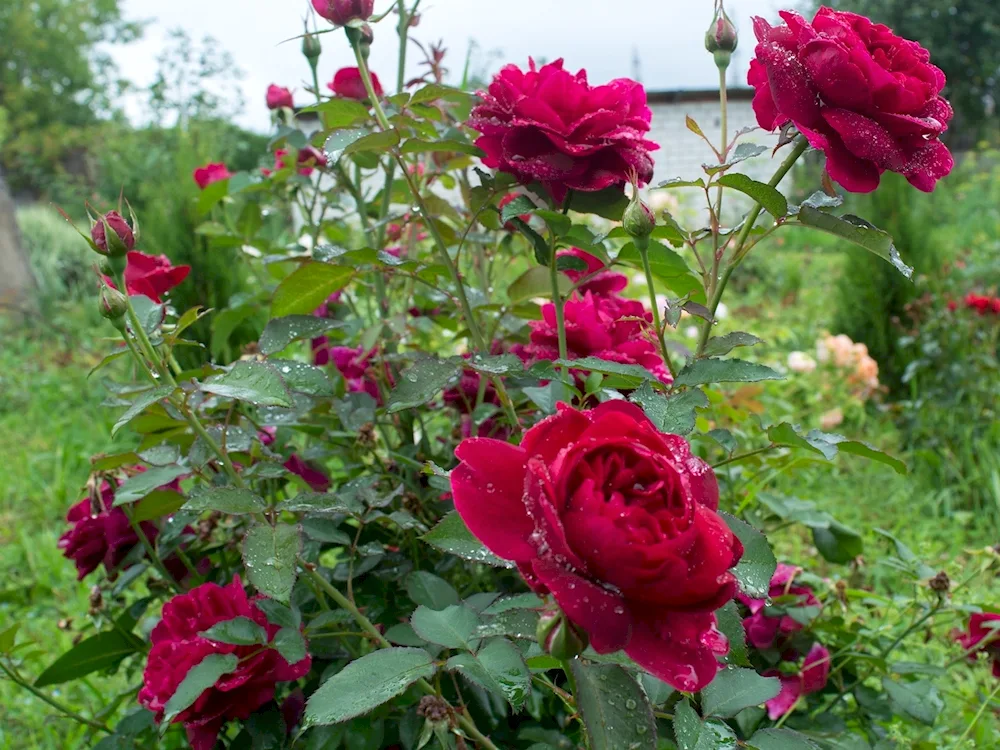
{"x": 278, "y": 97}
{"x": 764, "y": 631}
{"x": 811, "y": 678}
{"x": 339, "y": 12}
{"x": 984, "y": 632}
{"x": 206, "y": 175}
{"x": 603, "y": 282}
{"x": 348, "y": 84}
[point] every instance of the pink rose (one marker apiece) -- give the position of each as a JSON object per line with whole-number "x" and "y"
{"x": 984, "y": 628}
{"x": 347, "y": 84}
{"x": 603, "y": 283}
{"x": 215, "y": 172}
{"x": 811, "y": 678}
{"x": 609, "y": 328}
{"x": 550, "y": 126}
{"x": 177, "y": 647}
{"x": 339, "y": 12}
{"x": 116, "y": 222}
{"x": 278, "y": 97}
{"x": 764, "y": 631}
{"x": 356, "y": 366}
{"x": 867, "y": 98}
{"x": 618, "y": 522}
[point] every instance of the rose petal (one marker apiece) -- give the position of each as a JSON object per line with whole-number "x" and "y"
{"x": 784, "y": 701}
{"x": 678, "y": 648}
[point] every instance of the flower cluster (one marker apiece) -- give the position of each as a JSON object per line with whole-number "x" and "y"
{"x": 853, "y": 359}
{"x": 773, "y": 626}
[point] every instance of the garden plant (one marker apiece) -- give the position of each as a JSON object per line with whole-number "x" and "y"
{"x": 470, "y": 488}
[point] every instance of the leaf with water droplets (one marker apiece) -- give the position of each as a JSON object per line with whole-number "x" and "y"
{"x": 674, "y": 415}
{"x": 730, "y": 624}
{"x": 757, "y": 566}
{"x": 712, "y": 370}
{"x": 857, "y": 231}
{"x": 138, "y": 486}
{"x": 781, "y": 739}
{"x": 255, "y": 382}
{"x": 453, "y": 536}
{"x": 339, "y": 140}
{"x": 516, "y": 623}
{"x": 199, "y": 678}
{"x": 141, "y": 403}
{"x": 773, "y": 202}
{"x": 450, "y": 627}
{"x": 240, "y": 631}
{"x": 498, "y": 667}
{"x": 430, "y": 591}
{"x": 301, "y": 377}
{"x": 424, "y": 380}
{"x": 734, "y": 689}
{"x": 718, "y": 346}
{"x": 694, "y": 734}
{"x": 269, "y": 554}
{"x": 614, "y": 708}
{"x": 228, "y": 500}
{"x": 280, "y": 332}
{"x": 367, "y": 683}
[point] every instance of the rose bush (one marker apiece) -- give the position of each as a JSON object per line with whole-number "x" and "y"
{"x": 470, "y": 487}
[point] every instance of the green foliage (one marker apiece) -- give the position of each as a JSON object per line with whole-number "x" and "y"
{"x": 61, "y": 264}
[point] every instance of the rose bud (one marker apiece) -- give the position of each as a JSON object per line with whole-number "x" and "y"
{"x": 278, "y": 97}
{"x": 340, "y": 12}
{"x": 112, "y": 235}
{"x": 311, "y": 48}
{"x": 721, "y": 38}
{"x": 113, "y": 306}
{"x": 639, "y": 221}
{"x": 559, "y": 637}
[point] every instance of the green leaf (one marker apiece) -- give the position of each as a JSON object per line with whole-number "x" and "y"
{"x": 255, "y": 382}
{"x": 450, "y": 627}
{"x": 290, "y": 644}
{"x": 157, "y": 504}
{"x": 498, "y": 667}
{"x": 674, "y": 415}
{"x": 633, "y": 374}
{"x": 730, "y": 624}
{"x": 919, "y": 700}
{"x": 367, "y": 683}
{"x": 496, "y": 364}
{"x": 319, "y": 502}
{"x": 229, "y": 500}
{"x": 538, "y": 243}
{"x": 240, "y": 631}
{"x": 301, "y": 377}
{"x": 269, "y": 554}
{"x": 451, "y": 535}
{"x": 101, "y": 651}
{"x": 829, "y": 445}
{"x": 515, "y": 623}
{"x": 734, "y": 689}
{"x": 141, "y": 403}
{"x": 424, "y": 380}
{"x": 856, "y": 231}
{"x": 534, "y": 283}
{"x": 339, "y": 140}
{"x": 138, "y": 486}
{"x": 781, "y": 739}
{"x": 8, "y": 637}
{"x": 279, "y": 614}
{"x": 694, "y": 734}
{"x": 339, "y": 113}
{"x": 614, "y": 708}
{"x": 211, "y": 195}
{"x": 676, "y": 182}
{"x": 666, "y": 266}
{"x": 772, "y": 201}
{"x": 757, "y": 566}
{"x": 420, "y": 146}
{"x": 522, "y": 204}
{"x": 434, "y": 91}
{"x": 721, "y": 345}
{"x": 838, "y": 543}
{"x": 379, "y": 142}
{"x": 430, "y": 591}
{"x": 280, "y": 332}
{"x": 149, "y": 313}
{"x": 609, "y": 203}
{"x": 308, "y": 287}
{"x": 712, "y": 370}
{"x": 199, "y": 678}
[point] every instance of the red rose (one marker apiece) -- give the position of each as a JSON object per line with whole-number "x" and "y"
{"x": 764, "y": 631}
{"x": 867, "y": 98}
{"x": 984, "y": 631}
{"x": 347, "y": 83}
{"x": 210, "y": 173}
{"x": 278, "y": 97}
{"x": 116, "y": 222}
{"x": 101, "y": 534}
{"x": 340, "y": 12}
{"x": 609, "y": 328}
{"x": 151, "y": 275}
{"x": 550, "y": 126}
{"x": 177, "y": 647}
{"x": 810, "y": 679}
{"x": 617, "y": 521}
{"x": 603, "y": 281}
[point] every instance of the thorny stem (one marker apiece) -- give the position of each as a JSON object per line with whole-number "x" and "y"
{"x": 464, "y": 719}
{"x": 53, "y": 702}
{"x": 664, "y": 352}
{"x": 470, "y": 320}
{"x": 720, "y": 284}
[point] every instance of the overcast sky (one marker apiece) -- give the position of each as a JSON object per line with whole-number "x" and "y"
{"x": 599, "y": 35}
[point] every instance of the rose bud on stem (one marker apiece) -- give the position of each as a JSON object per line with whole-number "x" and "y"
{"x": 721, "y": 38}
{"x": 559, "y": 637}
{"x": 113, "y": 306}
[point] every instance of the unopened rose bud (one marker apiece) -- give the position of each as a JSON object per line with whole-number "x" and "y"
{"x": 639, "y": 221}
{"x": 113, "y": 305}
{"x": 311, "y": 48}
{"x": 560, "y": 637}
{"x": 721, "y": 38}
{"x": 112, "y": 235}
{"x": 341, "y": 12}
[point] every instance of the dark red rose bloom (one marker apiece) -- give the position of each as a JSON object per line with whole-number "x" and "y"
{"x": 982, "y": 303}
{"x": 618, "y": 522}
{"x": 340, "y": 12}
{"x": 984, "y": 629}
{"x": 867, "y": 98}
{"x": 347, "y": 83}
{"x": 811, "y": 678}
{"x": 603, "y": 281}
{"x": 215, "y": 172}
{"x": 177, "y": 647}
{"x": 550, "y": 126}
{"x": 764, "y": 631}
{"x": 151, "y": 275}
{"x": 278, "y": 97}
{"x": 118, "y": 225}
{"x": 101, "y": 534}
{"x": 609, "y": 328}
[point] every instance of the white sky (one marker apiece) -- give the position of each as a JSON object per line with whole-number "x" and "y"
{"x": 599, "y": 35}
